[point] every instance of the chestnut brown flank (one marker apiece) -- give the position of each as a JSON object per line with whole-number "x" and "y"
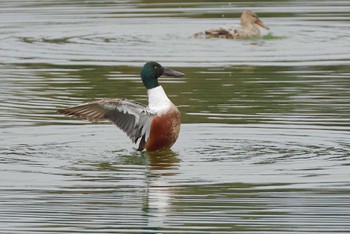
{"x": 164, "y": 130}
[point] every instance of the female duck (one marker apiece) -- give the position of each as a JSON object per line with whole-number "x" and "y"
{"x": 156, "y": 125}
{"x": 248, "y": 28}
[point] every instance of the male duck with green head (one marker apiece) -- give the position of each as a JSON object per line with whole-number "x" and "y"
{"x": 156, "y": 125}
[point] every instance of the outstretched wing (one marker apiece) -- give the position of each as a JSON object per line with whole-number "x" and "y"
{"x": 131, "y": 117}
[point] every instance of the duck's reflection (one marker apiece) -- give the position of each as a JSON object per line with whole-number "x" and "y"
{"x": 162, "y": 166}
{"x": 158, "y": 171}
{"x": 163, "y": 162}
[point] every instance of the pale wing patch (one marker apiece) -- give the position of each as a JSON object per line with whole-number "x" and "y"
{"x": 131, "y": 117}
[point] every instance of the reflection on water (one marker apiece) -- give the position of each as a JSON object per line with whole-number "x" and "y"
{"x": 217, "y": 178}
{"x": 264, "y": 145}
{"x": 244, "y": 94}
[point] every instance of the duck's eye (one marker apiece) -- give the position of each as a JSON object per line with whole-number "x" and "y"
{"x": 155, "y": 67}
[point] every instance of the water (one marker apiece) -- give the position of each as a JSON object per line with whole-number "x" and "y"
{"x": 264, "y": 144}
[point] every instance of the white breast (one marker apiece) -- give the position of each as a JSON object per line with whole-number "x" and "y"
{"x": 158, "y": 101}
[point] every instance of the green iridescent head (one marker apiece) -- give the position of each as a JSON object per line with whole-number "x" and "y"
{"x": 151, "y": 71}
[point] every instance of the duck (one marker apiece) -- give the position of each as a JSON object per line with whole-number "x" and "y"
{"x": 247, "y": 29}
{"x": 155, "y": 126}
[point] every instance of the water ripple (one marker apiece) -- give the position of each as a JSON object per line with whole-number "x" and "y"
{"x": 228, "y": 178}
{"x": 264, "y": 145}
{"x": 110, "y": 36}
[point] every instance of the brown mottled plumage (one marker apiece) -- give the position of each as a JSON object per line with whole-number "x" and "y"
{"x": 246, "y": 29}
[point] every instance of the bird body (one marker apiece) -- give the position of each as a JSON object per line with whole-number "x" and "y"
{"x": 247, "y": 29}
{"x": 155, "y": 126}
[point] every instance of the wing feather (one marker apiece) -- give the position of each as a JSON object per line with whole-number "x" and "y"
{"x": 131, "y": 117}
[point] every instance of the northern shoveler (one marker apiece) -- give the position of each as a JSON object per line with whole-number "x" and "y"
{"x": 246, "y": 29}
{"x": 157, "y": 125}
